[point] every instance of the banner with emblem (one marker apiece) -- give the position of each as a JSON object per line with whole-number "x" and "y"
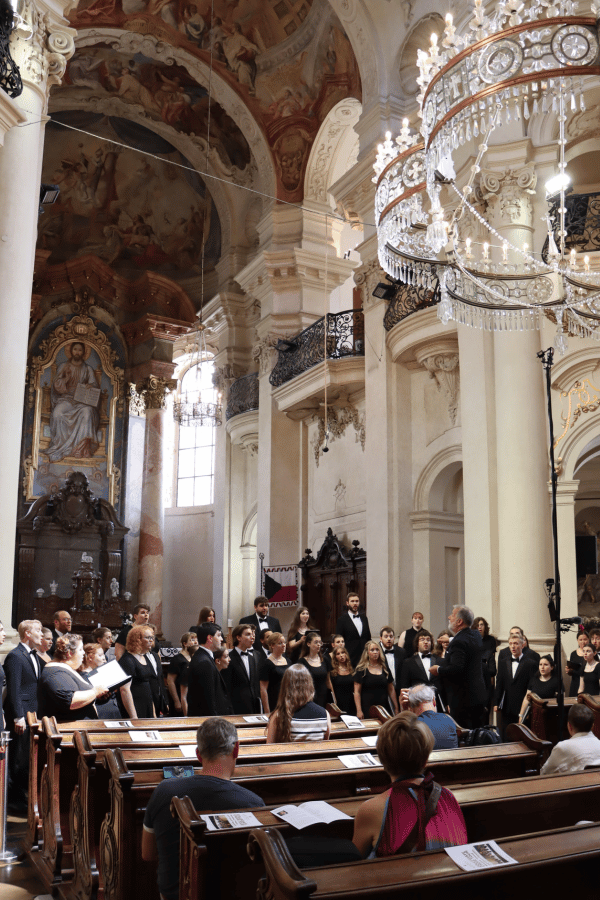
{"x": 280, "y": 586}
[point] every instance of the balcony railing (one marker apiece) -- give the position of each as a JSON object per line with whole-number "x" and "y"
{"x": 243, "y": 395}
{"x": 409, "y": 298}
{"x": 345, "y": 337}
{"x": 582, "y": 223}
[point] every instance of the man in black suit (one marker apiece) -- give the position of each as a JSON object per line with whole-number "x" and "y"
{"x": 417, "y": 668}
{"x": 461, "y": 676}
{"x": 62, "y": 625}
{"x": 354, "y": 628}
{"x": 241, "y": 675}
{"x": 261, "y": 621}
{"x": 394, "y": 656}
{"x": 512, "y": 681}
{"x": 207, "y": 695}
{"x": 527, "y": 651}
{"x": 22, "y": 667}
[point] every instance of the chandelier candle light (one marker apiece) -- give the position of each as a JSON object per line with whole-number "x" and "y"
{"x": 521, "y": 60}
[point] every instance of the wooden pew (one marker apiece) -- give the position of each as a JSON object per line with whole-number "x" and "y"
{"x": 592, "y": 703}
{"x": 280, "y": 782}
{"x": 491, "y": 811}
{"x": 543, "y": 717}
{"x": 545, "y": 862}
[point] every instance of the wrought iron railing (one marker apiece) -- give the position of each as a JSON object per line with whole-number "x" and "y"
{"x": 345, "y": 337}
{"x": 243, "y": 395}
{"x": 409, "y": 298}
{"x": 582, "y": 223}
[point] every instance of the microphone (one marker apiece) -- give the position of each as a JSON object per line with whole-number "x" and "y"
{"x": 574, "y": 620}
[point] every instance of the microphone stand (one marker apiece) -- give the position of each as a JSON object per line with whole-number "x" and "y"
{"x": 553, "y": 586}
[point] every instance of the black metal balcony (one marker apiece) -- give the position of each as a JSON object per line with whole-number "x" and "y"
{"x": 243, "y": 395}
{"x": 582, "y": 223}
{"x": 409, "y": 298}
{"x": 345, "y": 337}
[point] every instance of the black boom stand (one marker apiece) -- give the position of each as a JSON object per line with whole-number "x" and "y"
{"x": 553, "y": 586}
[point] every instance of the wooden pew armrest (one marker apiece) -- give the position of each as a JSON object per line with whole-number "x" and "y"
{"x": 283, "y": 877}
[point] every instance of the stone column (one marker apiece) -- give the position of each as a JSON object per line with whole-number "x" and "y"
{"x": 565, "y": 520}
{"x": 41, "y": 48}
{"x": 521, "y": 433}
{"x": 153, "y": 392}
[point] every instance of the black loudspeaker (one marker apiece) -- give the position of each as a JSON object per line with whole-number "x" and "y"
{"x": 586, "y": 555}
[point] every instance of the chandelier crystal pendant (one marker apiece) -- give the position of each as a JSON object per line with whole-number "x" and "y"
{"x": 189, "y": 408}
{"x": 523, "y": 59}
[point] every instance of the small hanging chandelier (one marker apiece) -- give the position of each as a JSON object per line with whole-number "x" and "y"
{"x": 189, "y": 408}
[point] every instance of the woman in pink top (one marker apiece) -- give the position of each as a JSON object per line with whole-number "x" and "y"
{"x": 416, "y": 813}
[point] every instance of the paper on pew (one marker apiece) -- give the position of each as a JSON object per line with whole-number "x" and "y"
{"x": 310, "y": 813}
{"x": 217, "y": 822}
{"x": 256, "y": 720}
{"x": 352, "y": 722}
{"x": 484, "y": 855}
{"x": 113, "y": 724}
{"x": 359, "y": 761}
{"x": 188, "y": 750}
{"x": 145, "y": 736}
{"x": 370, "y": 740}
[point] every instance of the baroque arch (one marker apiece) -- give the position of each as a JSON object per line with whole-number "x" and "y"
{"x": 428, "y": 486}
{"x": 334, "y": 147}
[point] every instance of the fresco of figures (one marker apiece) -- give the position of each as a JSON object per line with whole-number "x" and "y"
{"x": 134, "y": 211}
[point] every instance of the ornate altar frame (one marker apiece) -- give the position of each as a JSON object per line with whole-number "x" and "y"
{"x": 81, "y": 328}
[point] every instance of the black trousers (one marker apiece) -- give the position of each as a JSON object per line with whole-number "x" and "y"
{"x": 18, "y": 766}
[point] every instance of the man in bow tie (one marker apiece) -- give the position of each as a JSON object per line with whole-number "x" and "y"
{"x": 354, "y": 628}
{"x": 394, "y": 656}
{"x": 514, "y": 673}
{"x": 261, "y": 621}
{"x": 241, "y": 675}
{"x": 22, "y": 668}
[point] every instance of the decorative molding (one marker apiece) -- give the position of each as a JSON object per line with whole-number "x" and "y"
{"x": 224, "y": 376}
{"x": 338, "y": 420}
{"x": 507, "y": 194}
{"x": 153, "y": 391}
{"x": 322, "y": 158}
{"x": 437, "y": 521}
{"x": 41, "y": 44}
{"x": 264, "y": 352}
{"x": 444, "y": 369}
{"x": 366, "y": 278}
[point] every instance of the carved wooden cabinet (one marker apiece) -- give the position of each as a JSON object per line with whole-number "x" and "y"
{"x": 328, "y": 579}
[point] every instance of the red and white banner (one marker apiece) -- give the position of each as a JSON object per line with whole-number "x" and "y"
{"x": 280, "y": 585}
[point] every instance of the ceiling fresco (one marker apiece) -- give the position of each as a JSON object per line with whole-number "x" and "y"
{"x": 134, "y": 211}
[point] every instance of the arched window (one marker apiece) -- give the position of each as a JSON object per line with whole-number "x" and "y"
{"x": 195, "y": 444}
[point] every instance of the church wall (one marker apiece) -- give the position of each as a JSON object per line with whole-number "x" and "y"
{"x": 133, "y": 502}
{"x": 188, "y": 569}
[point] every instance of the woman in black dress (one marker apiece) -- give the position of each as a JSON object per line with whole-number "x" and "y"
{"x": 576, "y": 663}
{"x": 135, "y": 698}
{"x": 93, "y": 658}
{"x": 207, "y": 616}
{"x": 271, "y": 671}
{"x": 177, "y": 666}
{"x": 590, "y": 674}
{"x": 544, "y": 684}
{"x": 62, "y": 691}
{"x": 298, "y": 630}
{"x": 373, "y": 682}
{"x": 317, "y": 666}
{"x": 342, "y": 679}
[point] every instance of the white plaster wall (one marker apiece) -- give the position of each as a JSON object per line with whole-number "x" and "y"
{"x": 133, "y": 502}
{"x": 188, "y": 569}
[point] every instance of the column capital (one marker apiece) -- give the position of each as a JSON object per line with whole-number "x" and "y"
{"x": 42, "y": 43}
{"x": 151, "y": 392}
{"x": 508, "y": 193}
{"x": 264, "y": 352}
{"x": 366, "y": 277}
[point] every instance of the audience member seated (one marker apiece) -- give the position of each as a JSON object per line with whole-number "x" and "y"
{"x": 135, "y": 698}
{"x": 296, "y": 717}
{"x": 545, "y": 684}
{"x": 589, "y": 682}
{"x": 415, "y": 814}
{"x": 272, "y": 670}
{"x": 62, "y": 691}
{"x": 211, "y": 790}
{"x": 342, "y": 679}
{"x": 297, "y": 632}
{"x": 421, "y": 699}
{"x": 93, "y": 658}
{"x": 580, "y": 750}
{"x": 319, "y": 668}
{"x": 177, "y": 666}
{"x": 373, "y": 682}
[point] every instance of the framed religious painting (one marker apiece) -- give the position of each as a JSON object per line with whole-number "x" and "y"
{"x": 76, "y": 397}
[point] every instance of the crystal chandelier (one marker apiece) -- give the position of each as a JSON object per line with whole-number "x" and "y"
{"x": 521, "y": 60}
{"x": 189, "y": 408}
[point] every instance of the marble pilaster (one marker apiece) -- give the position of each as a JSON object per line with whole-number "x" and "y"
{"x": 153, "y": 392}
{"x": 40, "y": 47}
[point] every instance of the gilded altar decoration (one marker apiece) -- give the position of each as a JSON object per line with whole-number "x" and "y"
{"x": 75, "y": 405}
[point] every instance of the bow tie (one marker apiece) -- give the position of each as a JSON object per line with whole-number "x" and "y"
{"x": 262, "y": 619}
{"x": 33, "y": 652}
{"x": 243, "y": 653}
{"x": 425, "y": 655}
{"x": 356, "y": 615}
{"x": 516, "y": 659}
{"x": 389, "y": 651}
